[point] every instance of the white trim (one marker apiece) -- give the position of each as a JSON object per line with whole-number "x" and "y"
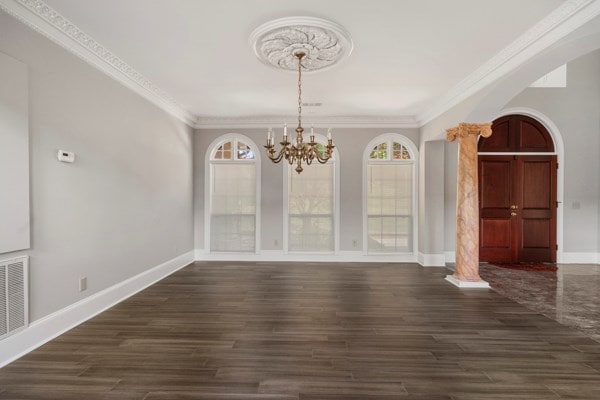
{"x": 288, "y": 170}
{"x": 43, "y": 19}
{"x": 425, "y": 260}
{"x": 566, "y": 18}
{"x": 40, "y": 17}
{"x": 390, "y": 138}
{"x": 431, "y": 260}
{"x": 282, "y": 256}
{"x": 57, "y": 323}
{"x": 208, "y": 182}
{"x": 397, "y": 122}
{"x": 466, "y": 284}
{"x": 580, "y": 258}
{"x": 559, "y": 151}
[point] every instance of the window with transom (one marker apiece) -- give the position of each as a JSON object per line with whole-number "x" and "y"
{"x": 233, "y": 195}
{"x": 390, "y": 192}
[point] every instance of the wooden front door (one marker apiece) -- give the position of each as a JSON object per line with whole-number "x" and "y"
{"x": 517, "y": 197}
{"x": 517, "y": 193}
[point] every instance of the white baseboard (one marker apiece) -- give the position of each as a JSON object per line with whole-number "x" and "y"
{"x": 279, "y": 255}
{"x": 55, "y": 324}
{"x": 563, "y": 258}
{"x": 432, "y": 260}
{"x": 579, "y": 258}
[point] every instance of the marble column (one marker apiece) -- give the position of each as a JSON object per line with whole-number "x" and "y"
{"x": 467, "y": 204}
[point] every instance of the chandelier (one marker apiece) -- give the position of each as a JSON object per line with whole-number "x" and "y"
{"x": 299, "y": 153}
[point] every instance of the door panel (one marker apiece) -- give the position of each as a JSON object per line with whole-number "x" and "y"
{"x": 517, "y": 208}
{"x": 497, "y": 232}
{"x": 537, "y": 215}
{"x": 532, "y": 136}
{"x": 517, "y": 133}
{"x": 496, "y": 196}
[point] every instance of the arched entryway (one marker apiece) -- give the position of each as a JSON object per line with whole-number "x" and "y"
{"x": 517, "y": 192}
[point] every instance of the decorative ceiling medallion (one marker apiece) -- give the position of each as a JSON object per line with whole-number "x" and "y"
{"x": 325, "y": 43}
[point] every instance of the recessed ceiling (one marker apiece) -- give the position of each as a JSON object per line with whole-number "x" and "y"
{"x": 407, "y": 53}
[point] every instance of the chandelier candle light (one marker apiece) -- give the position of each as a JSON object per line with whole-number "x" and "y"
{"x": 299, "y": 152}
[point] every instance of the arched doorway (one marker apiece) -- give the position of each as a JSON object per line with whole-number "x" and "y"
{"x": 517, "y": 192}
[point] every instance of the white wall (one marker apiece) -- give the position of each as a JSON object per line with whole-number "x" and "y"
{"x": 125, "y": 205}
{"x": 575, "y": 110}
{"x": 350, "y": 142}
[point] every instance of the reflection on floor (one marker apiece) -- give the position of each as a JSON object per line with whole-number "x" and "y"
{"x": 570, "y": 295}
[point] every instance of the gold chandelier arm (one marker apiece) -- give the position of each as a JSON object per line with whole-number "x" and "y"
{"x": 328, "y": 154}
{"x": 271, "y": 153}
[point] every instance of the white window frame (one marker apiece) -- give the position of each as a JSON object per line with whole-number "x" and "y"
{"x": 288, "y": 170}
{"x": 390, "y": 138}
{"x": 208, "y": 184}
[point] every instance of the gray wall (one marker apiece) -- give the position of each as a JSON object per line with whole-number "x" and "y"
{"x": 14, "y": 155}
{"x": 431, "y": 198}
{"x": 450, "y": 168}
{"x": 575, "y": 110}
{"x": 125, "y": 205}
{"x": 350, "y": 142}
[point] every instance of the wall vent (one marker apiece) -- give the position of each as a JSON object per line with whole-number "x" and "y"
{"x": 14, "y": 304}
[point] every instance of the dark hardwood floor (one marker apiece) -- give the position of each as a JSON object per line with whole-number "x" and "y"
{"x": 279, "y": 331}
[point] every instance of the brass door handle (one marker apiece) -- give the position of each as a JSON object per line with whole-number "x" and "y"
{"x": 514, "y": 207}
{"x": 512, "y": 213}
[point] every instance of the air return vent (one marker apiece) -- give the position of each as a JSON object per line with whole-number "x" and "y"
{"x": 13, "y": 295}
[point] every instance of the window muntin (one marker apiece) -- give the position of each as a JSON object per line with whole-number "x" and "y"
{"x": 225, "y": 151}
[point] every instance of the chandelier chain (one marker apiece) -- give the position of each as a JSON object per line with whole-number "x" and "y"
{"x": 299, "y": 152}
{"x": 299, "y": 92}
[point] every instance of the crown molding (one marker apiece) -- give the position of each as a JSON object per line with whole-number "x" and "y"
{"x": 43, "y": 19}
{"x": 40, "y": 17}
{"x": 569, "y": 16}
{"x": 337, "y": 122}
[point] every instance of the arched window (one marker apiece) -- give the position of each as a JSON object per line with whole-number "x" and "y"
{"x": 390, "y": 178}
{"x": 232, "y": 195}
{"x": 312, "y": 206}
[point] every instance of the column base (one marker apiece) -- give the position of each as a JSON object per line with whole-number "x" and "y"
{"x": 467, "y": 284}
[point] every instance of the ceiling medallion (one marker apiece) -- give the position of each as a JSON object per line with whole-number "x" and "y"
{"x": 323, "y": 42}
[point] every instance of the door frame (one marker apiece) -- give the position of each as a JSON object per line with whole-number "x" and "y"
{"x": 560, "y": 158}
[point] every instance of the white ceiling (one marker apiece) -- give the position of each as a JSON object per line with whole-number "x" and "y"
{"x": 407, "y": 53}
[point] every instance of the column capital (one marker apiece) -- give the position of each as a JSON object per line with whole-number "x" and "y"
{"x": 465, "y": 129}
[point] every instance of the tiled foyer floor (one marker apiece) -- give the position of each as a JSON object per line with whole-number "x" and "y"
{"x": 570, "y": 296}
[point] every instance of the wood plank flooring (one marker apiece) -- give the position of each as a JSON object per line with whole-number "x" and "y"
{"x": 283, "y": 331}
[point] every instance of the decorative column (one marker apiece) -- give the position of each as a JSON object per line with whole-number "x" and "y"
{"x": 467, "y": 205}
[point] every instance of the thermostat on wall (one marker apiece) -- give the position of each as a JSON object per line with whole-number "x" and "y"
{"x": 66, "y": 156}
